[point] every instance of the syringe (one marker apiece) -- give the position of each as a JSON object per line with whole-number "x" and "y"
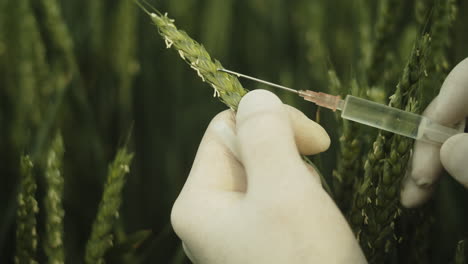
{"x": 373, "y": 114}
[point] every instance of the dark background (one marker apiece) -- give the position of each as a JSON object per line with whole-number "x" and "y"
{"x": 126, "y": 82}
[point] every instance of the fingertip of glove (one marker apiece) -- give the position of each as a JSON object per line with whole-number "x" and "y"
{"x": 322, "y": 140}
{"x": 449, "y": 148}
{"x": 311, "y": 137}
{"x": 452, "y": 155}
{"x": 257, "y": 101}
{"x": 425, "y": 167}
{"x": 413, "y": 195}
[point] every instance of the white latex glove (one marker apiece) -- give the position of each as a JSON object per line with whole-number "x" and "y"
{"x": 250, "y": 198}
{"x": 448, "y": 108}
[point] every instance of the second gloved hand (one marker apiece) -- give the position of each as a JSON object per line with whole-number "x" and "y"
{"x": 448, "y": 108}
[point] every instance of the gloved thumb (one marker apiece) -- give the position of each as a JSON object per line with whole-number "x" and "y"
{"x": 454, "y": 157}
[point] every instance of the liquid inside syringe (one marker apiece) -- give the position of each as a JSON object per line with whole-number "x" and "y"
{"x": 374, "y": 114}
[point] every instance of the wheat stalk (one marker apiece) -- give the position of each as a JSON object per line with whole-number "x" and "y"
{"x": 376, "y": 203}
{"x": 54, "y": 212}
{"x": 26, "y": 230}
{"x": 101, "y": 238}
{"x": 60, "y": 37}
{"x": 21, "y": 35}
{"x": 348, "y": 165}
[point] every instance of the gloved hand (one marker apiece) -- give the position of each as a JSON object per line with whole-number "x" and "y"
{"x": 448, "y": 108}
{"x": 250, "y": 198}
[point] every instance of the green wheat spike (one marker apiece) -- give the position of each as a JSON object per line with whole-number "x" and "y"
{"x": 26, "y": 230}
{"x": 101, "y": 238}
{"x": 53, "y": 205}
{"x": 225, "y": 86}
{"x": 348, "y": 162}
{"x": 376, "y": 205}
{"x": 348, "y": 167}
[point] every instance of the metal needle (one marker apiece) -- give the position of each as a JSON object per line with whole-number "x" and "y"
{"x": 259, "y": 80}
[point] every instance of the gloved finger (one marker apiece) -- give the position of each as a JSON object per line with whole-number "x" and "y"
{"x": 216, "y": 166}
{"x": 413, "y": 195}
{"x": 220, "y": 144}
{"x": 266, "y": 142}
{"x": 310, "y": 137}
{"x": 216, "y": 183}
{"x": 451, "y": 106}
{"x": 448, "y": 109}
{"x": 423, "y": 170}
{"x": 453, "y": 155}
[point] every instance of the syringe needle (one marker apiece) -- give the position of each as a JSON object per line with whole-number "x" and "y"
{"x": 322, "y": 99}
{"x": 240, "y": 75}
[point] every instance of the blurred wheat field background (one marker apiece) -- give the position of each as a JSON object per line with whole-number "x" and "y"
{"x": 100, "y": 123}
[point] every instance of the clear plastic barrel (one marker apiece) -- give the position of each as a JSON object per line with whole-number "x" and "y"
{"x": 395, "y": 120}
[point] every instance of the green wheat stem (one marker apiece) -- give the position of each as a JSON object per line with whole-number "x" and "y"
{"x": 311, "y": 27}
{"x": 123, "y": 42}
{"x": 53, "y": 205}
{"x": 95, "y": 10}
{"x": 61, "y": 72}
{"x": 101, "y": 238}
{"x": 382, "y": 54}
{"x": 60, "y": 37}
{"x": 26, "y": 230}
{"x": 348, "y": 165}
{"x": 21, "y": 35}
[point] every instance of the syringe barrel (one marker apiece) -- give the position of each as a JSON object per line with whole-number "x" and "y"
{"x": 395, "y": 120}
